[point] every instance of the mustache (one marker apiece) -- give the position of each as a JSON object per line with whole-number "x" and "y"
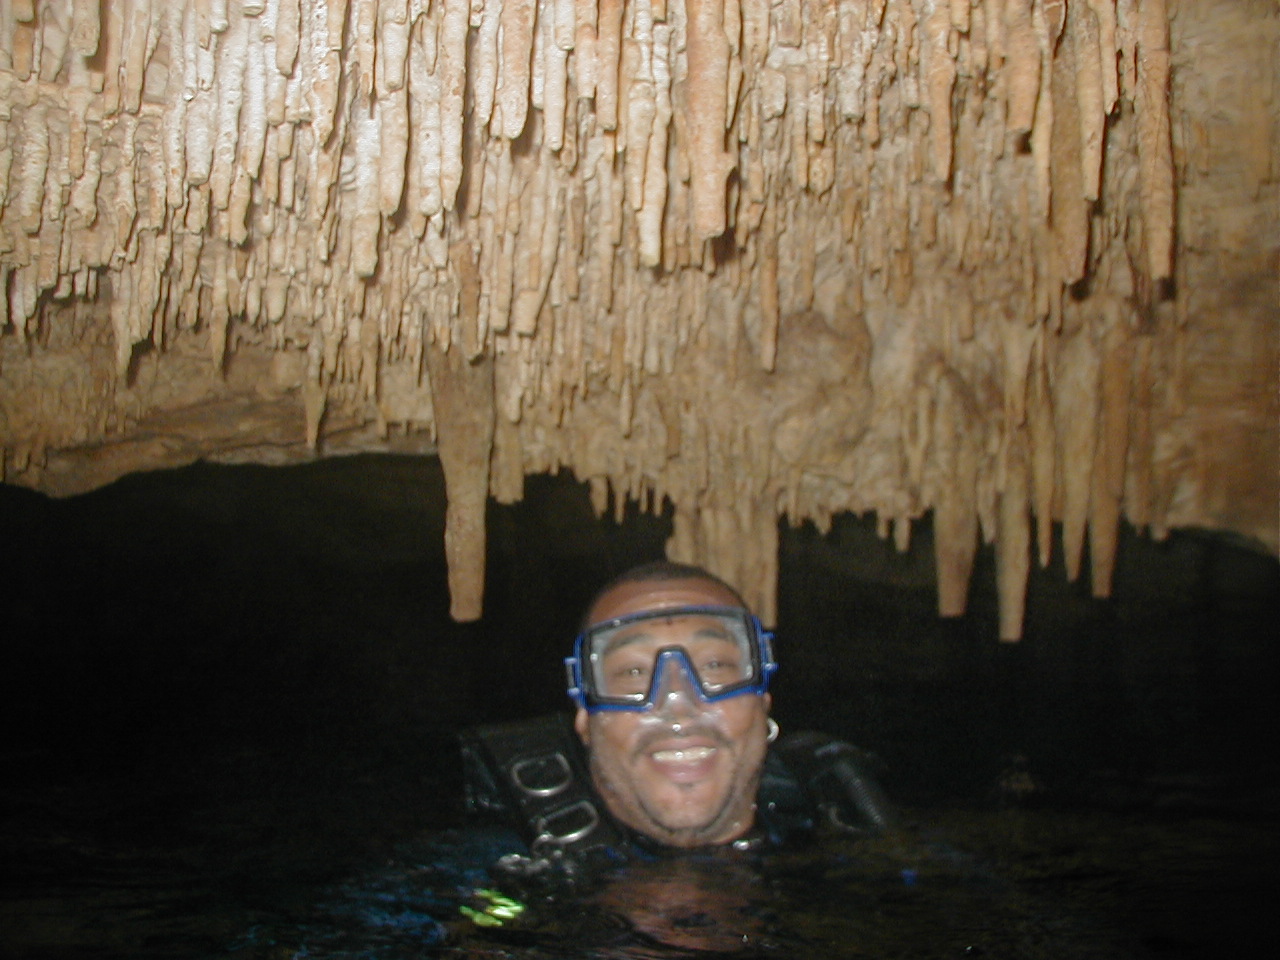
{"x": 688, "y": 729}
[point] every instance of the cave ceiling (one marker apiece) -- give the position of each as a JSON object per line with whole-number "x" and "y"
{"x": 1011, "y": 263}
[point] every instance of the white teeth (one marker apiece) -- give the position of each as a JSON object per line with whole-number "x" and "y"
{"x": 687, "y": 755}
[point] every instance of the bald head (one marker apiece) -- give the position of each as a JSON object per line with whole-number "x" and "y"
{"x": 656, "y": 573}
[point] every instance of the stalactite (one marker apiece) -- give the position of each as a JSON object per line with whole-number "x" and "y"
{"x": 28, "y": 198}
{"x": 1068, "y": 190}
{"x": 1044, "y": 459}
{"x": 707, "y": 115}
{"x": 452, "y": 71}
{"x": 1076, "y": 424}
{"x": 653, "y": 189}
{"x": 1090, "y": 93}
{"x": 608, "y": 55}
{"x": 939, "y": 70}
{"x": 1023, "y": 59}
{"x": 512, "y": 95}
{"x": 1013, "y": 537}
{"x": 393, "y": 148}
{"x": 955, "y": 449}
{"x": 85, "y": 30}
{"x": 599, "y": 209}
{"x": 1155, "y": 148}
{"x": 1106, "y": 495}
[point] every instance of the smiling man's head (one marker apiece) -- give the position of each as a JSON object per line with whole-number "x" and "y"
{"x": 670, "y": 678}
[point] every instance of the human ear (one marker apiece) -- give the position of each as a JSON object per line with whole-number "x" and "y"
{"x": 582, "y": 728}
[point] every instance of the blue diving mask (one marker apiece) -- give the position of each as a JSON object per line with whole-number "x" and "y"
{"x": 620, "y": 664}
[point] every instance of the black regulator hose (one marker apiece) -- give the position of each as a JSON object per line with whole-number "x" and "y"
{"x": 838, "y": 777}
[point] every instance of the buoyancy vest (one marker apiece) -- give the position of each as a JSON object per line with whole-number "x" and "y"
{"x": 533, "y": 775}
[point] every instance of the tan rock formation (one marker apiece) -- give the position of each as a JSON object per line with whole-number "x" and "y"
{"x": 1011, "y": 261}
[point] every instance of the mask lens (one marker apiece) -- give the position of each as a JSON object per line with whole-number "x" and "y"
{"x": 720, "y": 646}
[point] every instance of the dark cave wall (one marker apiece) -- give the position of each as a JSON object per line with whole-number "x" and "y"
{"x": 217, "y": 611}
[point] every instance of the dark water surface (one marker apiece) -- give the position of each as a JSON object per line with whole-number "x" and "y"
{"x": 230, "y": 698}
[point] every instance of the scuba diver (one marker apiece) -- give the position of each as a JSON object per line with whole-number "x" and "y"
{"x": 671, "y": 746}
{"x": 666, "y": 815}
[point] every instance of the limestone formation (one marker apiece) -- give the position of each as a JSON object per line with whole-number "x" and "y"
{"x": 1010, "y": 262}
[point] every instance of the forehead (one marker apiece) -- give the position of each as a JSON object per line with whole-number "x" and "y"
{"x": 644, "y": 595}
{"x": 694, "y": 630}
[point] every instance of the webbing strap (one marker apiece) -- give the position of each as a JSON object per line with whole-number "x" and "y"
{"x": 533, "y": 773}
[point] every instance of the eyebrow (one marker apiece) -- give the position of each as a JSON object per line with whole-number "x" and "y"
{"x": 702, "y": 633}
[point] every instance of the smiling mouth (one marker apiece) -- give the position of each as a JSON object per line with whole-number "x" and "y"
{"x": 684, "y": 755}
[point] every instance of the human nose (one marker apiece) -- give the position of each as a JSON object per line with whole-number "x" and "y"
{"x": 675, "y": 694}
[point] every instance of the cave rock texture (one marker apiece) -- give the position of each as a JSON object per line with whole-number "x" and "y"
{"x": 1009, "y": 261}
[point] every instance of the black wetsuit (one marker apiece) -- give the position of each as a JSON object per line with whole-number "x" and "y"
{"x": 533, "y": 775}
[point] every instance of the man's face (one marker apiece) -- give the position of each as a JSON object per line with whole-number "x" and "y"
{"x": 684, "y": 772}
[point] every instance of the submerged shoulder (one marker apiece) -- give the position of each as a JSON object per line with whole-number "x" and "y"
{"x": 834, "y": 778}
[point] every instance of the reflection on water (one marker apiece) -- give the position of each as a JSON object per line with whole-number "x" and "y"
{"x": 1011, "y": 883}
{"x": 870, "y": 898}
{"x": 229, "y": 701}
{"x": 713, "y": 904}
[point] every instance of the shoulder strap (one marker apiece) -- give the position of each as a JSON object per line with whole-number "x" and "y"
{"x": 532, "y": 774}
